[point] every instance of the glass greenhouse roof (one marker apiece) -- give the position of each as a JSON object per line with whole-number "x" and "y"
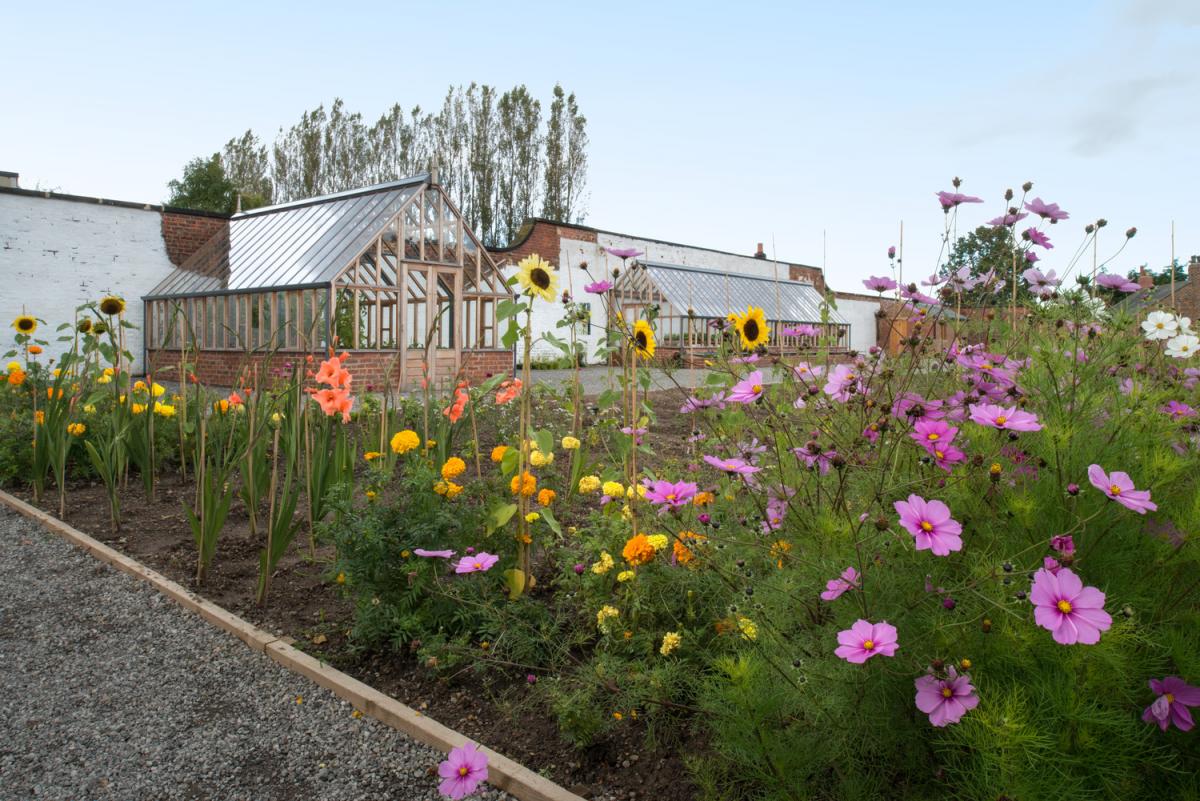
{"x": 297, "y": 244}
{"x": 714, "y": 294}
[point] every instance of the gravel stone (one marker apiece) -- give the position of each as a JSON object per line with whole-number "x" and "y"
{"x": 108, "y": 690}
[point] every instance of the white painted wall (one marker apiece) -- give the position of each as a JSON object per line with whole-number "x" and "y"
{"x": 861, "y": 316}
{"x": 58, "y": 254}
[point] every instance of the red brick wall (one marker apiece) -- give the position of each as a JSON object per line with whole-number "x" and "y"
{"x": 184, "y": 233}
{"x": 801, "y": 272}
{"x": 370, "y": 368}
{"x": 543, "y": 240}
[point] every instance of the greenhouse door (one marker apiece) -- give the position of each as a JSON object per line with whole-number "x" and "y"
{"x": 445, "y": 352}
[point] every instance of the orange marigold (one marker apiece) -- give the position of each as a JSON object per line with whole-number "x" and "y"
{"x": 686, "y": 545}
{"x": 638, "y": 550}
{"x": 16, "y": 378}
{"x": 702, "y": 499}
{"x": 524, "y": 484}
{"x": 546, "y": 497}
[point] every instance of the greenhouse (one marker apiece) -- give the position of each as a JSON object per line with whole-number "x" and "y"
{"x": 387, "y": 272}
{"x": 694, "y": 303}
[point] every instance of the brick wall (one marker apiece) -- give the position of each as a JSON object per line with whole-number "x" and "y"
{"x": 801, "y": 272}
{"x": 544, "y": 239}
{"x": 184, "y": 232}
{"x": 371, "y": 369}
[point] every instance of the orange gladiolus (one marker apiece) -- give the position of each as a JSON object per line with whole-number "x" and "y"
{"x": 455, "y": 410}
{"x": 333, "y": 373}
{"x": 335, "y": 400}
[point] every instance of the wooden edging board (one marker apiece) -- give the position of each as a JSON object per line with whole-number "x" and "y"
{"x": 503, "y": 773}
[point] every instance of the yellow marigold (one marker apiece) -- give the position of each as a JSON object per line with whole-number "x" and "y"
{"x": 498, "y": 453}
{"x": 780, "y": 549}
{"x": 404, "y": 441}
{"x": 372, "y": 495}
{"x": 163, "y": 409}
{"x": 371, "y": 456}
{"x": 76, "y": 429}
{"x": 139, "y": 386}
{"x": 221, "y": 406}
{"x": 658, "y": 541}
{"x": 440, "y": 487}
{"x": 613, "y": 489}
{"x": 686, "y": 545}
{"x": 104, "y": 379}
{"x": 670, "y": 642}
{"x": 138, "y": 408}
{"x": 747, "y": 628}
{"x": 453, "y": 468}
{"x": 89, "y": 408}
{"x": 430, "y": 444}
{"x": 703, "y": 498}
{"x": 539, "y": 459}
{"x": 39, "y": 417}
{"x": 13, "y": 366}
{"x": 524, "y": 484}
{"x": 157, "y": 390}
{"x": 570, "y": 443}
{"x": 638, "y": 550}
{"x": 546, "y": 497}
{"x": 626, "y": 575}
{"x": 532, "y": 517}
{"x": 605, "y": 616}
{"x": 108, "y": 371}
{"x": 604, "y": 565}
{"x": 452, "y": 489}
{"x": 589, "y": 484}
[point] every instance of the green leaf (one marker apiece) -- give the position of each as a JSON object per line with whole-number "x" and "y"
{"x": 508, "y": 464}
{"x": 515, "y": 581}
{"x": 511, "y": 334}
{"x": 544, "y": 440}
{"x": 548, "y": 516}
{"x": 500, "y": 516}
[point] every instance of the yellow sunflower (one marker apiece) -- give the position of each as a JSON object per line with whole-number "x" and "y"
{"x": 752, "y": 328}
{"x": 111, "y": 304}
{"x": 643, "y": 339}
{"x": 25, "y": 324}
{"x": 537, "y": 277}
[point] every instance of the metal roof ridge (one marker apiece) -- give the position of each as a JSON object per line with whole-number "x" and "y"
{"x": 419, "y": 178}
{"x": 709, "y": 270}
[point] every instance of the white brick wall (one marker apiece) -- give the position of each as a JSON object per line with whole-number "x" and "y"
{"x": 57, "y": 254}
{"x": 861, "y": 316}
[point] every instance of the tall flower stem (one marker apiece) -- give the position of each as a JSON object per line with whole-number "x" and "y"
{"x": 524, "y": 540}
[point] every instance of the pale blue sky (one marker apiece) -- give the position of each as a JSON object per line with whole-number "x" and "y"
{"x": 713, "y": 124}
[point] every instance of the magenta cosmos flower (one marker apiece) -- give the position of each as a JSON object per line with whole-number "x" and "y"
{"x": 665, "y": 493}
{"x": 1038, "y": 238}
{"x": 1171, "y": 706}
{"x": 841, "y": 382}
{"x": 949, "y": 200}
{"x": 1005, "y": 419}
{"x": 464, "y": 768}
{"x": 1047, "y": 211}
{"x": 1007, "y": 220}
{"x": 930, "y": 524}
{"x": 739, "y": 466}
{"x": 946, "y": 700}
{"x": 1178, "y": 410}
{"x": 1072, "y": 612}
{"x": 748, "y": 390}
{"x": 1119, "y": 487}
{"x": 946, "y": 456}
{"x": 880, "y": 283}
{"x": 598, "y": 287}
{"x": 835, "y": 587}
{"x": 479, "y": 563}
{"x": 933, "y": 433}
{"x": 865, "y": 639}
{"x": 433, "y": 554}
{"x": 1118, "y": 283}
{"x": 623, "y": 253}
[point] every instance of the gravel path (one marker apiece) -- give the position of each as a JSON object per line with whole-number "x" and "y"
{"x": 110, "y": 691}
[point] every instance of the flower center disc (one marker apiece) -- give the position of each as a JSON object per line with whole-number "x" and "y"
{"x": 868, "y": 645}
{"x": 934, "y": 437}
{"x": 926, "y": 525}
{"x": 540, "y": 278}
{"x": 1114, "y": 489}
{"x": 1064, "y": 606}
{"x": 1001, "y": 420}
{"x": 947, "y": 692}
{"x": 757, "y": 388}
{"x": 750, "y": 330}
{"x": 463, "y": 771}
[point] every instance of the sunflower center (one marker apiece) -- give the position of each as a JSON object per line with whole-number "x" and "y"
{"x": 539, "y": 278}
{"x": 640, "y": 339}
{"x": 25, "y": 324}
{"x": 947, "y": 692}
{"x": 868, "y": 645}
{"x": 1114, "y": 489}
{"x": 926, "y": 525}
{"x": 750, "y": 330}
{"x": 1001, "y": 420}
{"x": 1064, "y": 606}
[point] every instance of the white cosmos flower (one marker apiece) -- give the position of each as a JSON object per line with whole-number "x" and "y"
{"x": 1160, "y": 325}
{"x": 1183, "y": 346}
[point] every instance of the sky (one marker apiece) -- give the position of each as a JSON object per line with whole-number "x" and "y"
{"x": 815, "y": 128}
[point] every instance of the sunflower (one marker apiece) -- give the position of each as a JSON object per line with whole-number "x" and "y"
{"x": 111, "y": 305}
{"x": 537, "y": 277}
{"x": 643, "y": 339}
{"x": 84, "y": 325}
{"x": 752, "y": 328}
{"x": 99, "y": 327}
{"x": 25, "y": 324}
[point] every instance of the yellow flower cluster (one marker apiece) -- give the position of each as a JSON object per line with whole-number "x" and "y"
{"x": 498, "y": 453}
{"x": 405, "y": 441}
{"x": 589, "y": 484}
{"x": 613, "y": 489}
{"x": 371, "y": 456}
{"x": 658, "y": 541}
{"x": 638, "y": 550}
{"x": 570, "y": 443}
{"x": 76, "y": 429}
{"x": 670, "y": 642}
{"x": 453, "y": 468}
{"x": 626, "y": 575}
{"x": 605, "y": 617}
{"x": 524, "y": 484}
{"x": 604, "y": 565}
{"x": 163, "y": 409}
{"x": 539, "y": 459}
{"x": 748, "y": 629}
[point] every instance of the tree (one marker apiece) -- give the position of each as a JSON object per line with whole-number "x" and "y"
{"x": 204, "y": 186}
{"x": 247, "y": 167}
{"x": 1163, "y": 276}
{"x": 986, "y": 249}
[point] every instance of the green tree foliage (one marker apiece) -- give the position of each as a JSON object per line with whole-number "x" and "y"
{"x": 986, "y": 249}
{"x": 1163, "y": 275}
{"x": 490, "y": 148}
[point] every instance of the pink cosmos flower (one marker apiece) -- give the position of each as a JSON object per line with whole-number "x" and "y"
{"x": 623, "y": 253}
{"x": 835, "y": 587}
{"x": 880, "y": 283}
{"x": 1037, "y": 237}
{"x": 930, "y": 524}
{"x": 946, "y": 700}
{"x": 479, "y": 563}
{"x": 668, "y": 494}
{"x": 464, "y": 768}
{"x": 933, "y": 433}
{"x": 801, "y": 331}
{"x": 1047, "y": 211}
{"x": 912, "y": 293}
{"x": 1178, "y": 410}
{"x": 1171, "y": 706}
{"x": 1005, "y": 419}
{"x": 1072, "y": 612}
{"x": 695, "y": 404}
{"x": 946, "y": 456}
{"x": 598, "y": 287}
{"x": 1119, "y": 487}
{"x": 949, "y": 200}
{"x": 1118, "y": 283}
{"x": 1007, "y": 219}
{"x": 433, "y": 554}
{"x": 1064, "y": 544}
{"x": 739, "y": 466}
{"x": 841, "y": 382}
{"x": 865, "y": 639}
{"x": 748, "y": 390}
{"x": 871, "y": 433}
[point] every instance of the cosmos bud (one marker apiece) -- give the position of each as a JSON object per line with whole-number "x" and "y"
{"x": 1131, "y": 233}
{"x": 1008, "y": 194}
{"x": 1025, "y": 187}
